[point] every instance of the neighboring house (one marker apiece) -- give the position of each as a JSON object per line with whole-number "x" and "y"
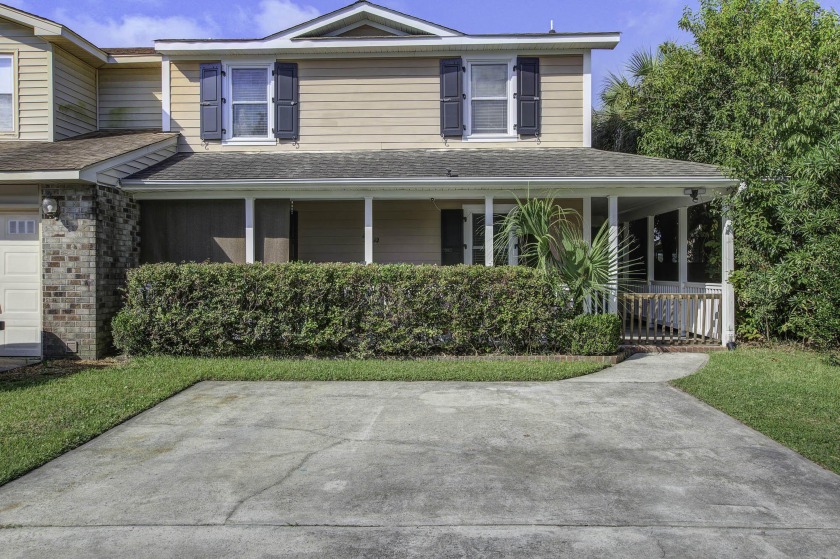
{"x": 364, "y": 135}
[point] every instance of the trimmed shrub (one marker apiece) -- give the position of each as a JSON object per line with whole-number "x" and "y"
{"x": 301, "y": 309}
{"x": 597, "y": 334}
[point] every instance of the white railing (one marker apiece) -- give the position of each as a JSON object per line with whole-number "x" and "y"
{"x": 664, "y": 312}
{"x": 671, "y": 318}
{"x": 675, "y": 287}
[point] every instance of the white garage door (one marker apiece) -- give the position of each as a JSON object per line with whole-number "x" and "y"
{"x": 20, "y": 287}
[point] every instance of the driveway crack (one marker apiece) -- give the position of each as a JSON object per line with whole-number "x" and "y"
{"x": 306, "y": 458}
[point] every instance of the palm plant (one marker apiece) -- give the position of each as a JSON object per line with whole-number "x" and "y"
{"x": 551, "y": 239}
{"x": 615, "y": 123}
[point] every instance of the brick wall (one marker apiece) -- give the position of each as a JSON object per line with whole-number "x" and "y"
{"x": 85, "y": 253}
{"x": 118, "y": 249}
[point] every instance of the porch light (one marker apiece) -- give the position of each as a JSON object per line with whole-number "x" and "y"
{"x": 695, "y": 193}
{"x": 50, "y": 208}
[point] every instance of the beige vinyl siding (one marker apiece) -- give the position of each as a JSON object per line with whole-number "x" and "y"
{"x": 184, "y": 104}
{"x": 74, "y": 97}
{"x": 405, "y": 232}
{"x": 32, "y": 80}
{"x": 387, "y": 103}
{"x": 129, "y": 98}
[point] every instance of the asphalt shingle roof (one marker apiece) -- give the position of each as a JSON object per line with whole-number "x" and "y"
{"x": 465, "y": 163}
{"x": 75, "y": 153}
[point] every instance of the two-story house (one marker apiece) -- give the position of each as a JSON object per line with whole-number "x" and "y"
{"x": 364, "y": 135}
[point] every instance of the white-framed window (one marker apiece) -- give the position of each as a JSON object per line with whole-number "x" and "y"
{"x": 7, "y": 94}
{"x": 248, "y": 113}
{"x": 490, "y": 108}
{"x": 21, "y": 227}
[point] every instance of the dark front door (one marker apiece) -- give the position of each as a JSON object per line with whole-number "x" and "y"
{"x": 451, "y": 237}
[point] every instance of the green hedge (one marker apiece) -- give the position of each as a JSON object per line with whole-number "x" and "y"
{"x": 598, "y": 334}
{"x": 301, "y": 309}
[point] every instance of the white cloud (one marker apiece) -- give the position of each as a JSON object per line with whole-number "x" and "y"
{"x": 137, "y": 30}
{"x": 275, "y": 15}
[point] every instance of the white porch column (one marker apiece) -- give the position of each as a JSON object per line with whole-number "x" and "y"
{"x": 587, "y": 220}
{"x": 612, "y": 304}
{"x": 682, "y": 225}
{"x": 727, "y": 326}
{"x": 587, "y": 98}
{"x": 249, "y": 230}
{"x": 488, "y": 230}
{"x": 166, "y": 93}
{"x": 368, "y": 230}
{"x": 651, "y": 253}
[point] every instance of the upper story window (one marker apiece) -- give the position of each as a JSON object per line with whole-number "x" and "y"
{"x": 249, "y": 113}
{"x": 490, "y": 107}
{"x": 7, "y": 120}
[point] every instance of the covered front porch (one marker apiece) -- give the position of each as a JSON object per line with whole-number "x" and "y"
{"x": 439, "y": 207}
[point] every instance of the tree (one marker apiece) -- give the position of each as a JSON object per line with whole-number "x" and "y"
{"x": 615, "y": 124}
{"x": 758, "y": 92}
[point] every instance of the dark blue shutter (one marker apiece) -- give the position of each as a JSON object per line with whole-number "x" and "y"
{"x": 451, "y": 97}
{"x": 286, "y": 101}
{"x": 210, "y": 88}
{"x": 528, "y": 96}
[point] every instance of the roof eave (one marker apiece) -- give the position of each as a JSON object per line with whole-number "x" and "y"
{"x": 472, "y": 183}
{"x": 394, "y": 44}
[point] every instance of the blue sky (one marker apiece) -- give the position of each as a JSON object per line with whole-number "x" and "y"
{"x": 114, "y": 23}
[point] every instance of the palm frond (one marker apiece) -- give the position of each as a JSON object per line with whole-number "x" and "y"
{"x": 551, "y": 239}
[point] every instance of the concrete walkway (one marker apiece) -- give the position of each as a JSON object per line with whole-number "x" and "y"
{"x": 614, "y": 464}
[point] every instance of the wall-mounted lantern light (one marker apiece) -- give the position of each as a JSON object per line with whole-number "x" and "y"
{"x": 694, "y": 193}
{"x": 50, "y": 208}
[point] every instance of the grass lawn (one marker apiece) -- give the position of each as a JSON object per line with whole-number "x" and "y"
{"x": 48, "y": 409}
{"x": 790, "y": 396}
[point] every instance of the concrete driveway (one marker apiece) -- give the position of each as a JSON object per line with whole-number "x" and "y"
{"x": 614, "y": 464}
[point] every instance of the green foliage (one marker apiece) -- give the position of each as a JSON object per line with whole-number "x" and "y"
{"x": 551, "y": 239}
{"x": 340, "y": 309}
{"x": 615, "y": 125}
{"x": 593, "y": 334}
{"x": 759, "y": 93}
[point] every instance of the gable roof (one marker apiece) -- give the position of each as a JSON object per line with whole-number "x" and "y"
{"x": 364, "y": 10}
{"x": 57, "y": 33}
{"x": 403, "y": 34}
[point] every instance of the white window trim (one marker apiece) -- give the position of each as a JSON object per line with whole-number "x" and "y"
{"x": 14, "y": 131}
{"x": 511, "y": 135}
{"x": 227, "y": 111}
{"x": 469, "y": 210}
